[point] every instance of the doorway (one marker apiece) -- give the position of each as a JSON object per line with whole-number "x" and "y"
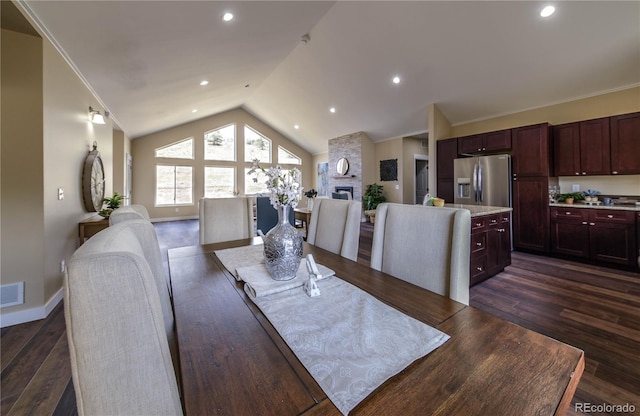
{"x": 421, "y": 183}
{"x": 129, "y": 171}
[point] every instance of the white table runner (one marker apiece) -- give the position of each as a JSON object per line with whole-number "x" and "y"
{"x": 234, "y": 258}
{"x": 348, "y": 340}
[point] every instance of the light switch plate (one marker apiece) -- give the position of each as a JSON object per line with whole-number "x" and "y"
{"x": 60, "y": 194}
{"x": 575, "y": 187}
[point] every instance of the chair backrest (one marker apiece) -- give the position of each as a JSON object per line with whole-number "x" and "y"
{"x": 267, "y": 215}
{"x": 335, "y": 226}
{"x": 225, "y": 219}
{"x": 341, "y": 195}
{"x": 426, "y": 246}
{"x": 116, "y": 323}
{"x": 129, "y": 212}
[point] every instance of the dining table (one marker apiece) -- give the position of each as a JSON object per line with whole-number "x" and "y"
{"x": 233, "y": 361}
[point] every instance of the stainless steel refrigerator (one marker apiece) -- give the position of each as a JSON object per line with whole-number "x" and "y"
{"x": 483, "y": 180}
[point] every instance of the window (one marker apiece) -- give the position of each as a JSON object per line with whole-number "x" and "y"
{"x": 179, "y": 150}
{"x": 220, "y": 144}
{"x": 174, "y": 185}
{"x": 256, "y": 146}
{"x": 251, "y": 187}
{"x": 219, "y": 182}
{"x": 285, "y": 157}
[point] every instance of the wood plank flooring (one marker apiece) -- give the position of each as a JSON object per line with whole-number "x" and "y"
{"x": 593, "y": 308}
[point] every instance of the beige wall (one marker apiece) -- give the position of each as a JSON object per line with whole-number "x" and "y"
{"x": 605, "y": 105}
{"x": 390, "y": 149}
{"x": 121, "y": 147}
{"x": 439, "y": 128}
{"x": 45, "y": 140}
{"x": 143, "y": 152}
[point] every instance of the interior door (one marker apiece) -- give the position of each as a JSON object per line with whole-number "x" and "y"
{"x": 422, "y": 179}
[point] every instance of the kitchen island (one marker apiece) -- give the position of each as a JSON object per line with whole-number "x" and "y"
{"x": 490, "y": 240}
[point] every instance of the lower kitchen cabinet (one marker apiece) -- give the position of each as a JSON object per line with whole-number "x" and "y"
{"x": 490, "y": 245}
{"x": 597, "y": 234}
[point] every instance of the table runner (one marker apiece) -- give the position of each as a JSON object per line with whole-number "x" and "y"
{"x": 349, "y": 341}
{"x": 258, "y": 282}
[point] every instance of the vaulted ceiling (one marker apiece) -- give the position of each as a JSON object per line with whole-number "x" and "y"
{"x": 474, "y": 59}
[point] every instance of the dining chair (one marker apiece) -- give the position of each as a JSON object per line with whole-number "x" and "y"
{"x": 225, "y": 219}
{"x": 335, "y": 226}
{"x": 267, "y": 215}
{"x": 129, "y": 212}
{"x": 118, "y": 329}
{"x": 426, "y": 246}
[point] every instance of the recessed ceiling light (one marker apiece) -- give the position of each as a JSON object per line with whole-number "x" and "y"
{"x": 332, "y": 110}
{"x": 396, "y": 80}
{"x": 204, "y": 82}
{"x": 295, "y": 126}
{"x": 195, "y": 110}
{"x": 547, "y": 11}
{"x": 227, "y": 17}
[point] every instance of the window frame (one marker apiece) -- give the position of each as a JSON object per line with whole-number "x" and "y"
{"x": 264, "y": 136}
{"x": 193, "y": 152}
{"x": 235, "y": 144}
{"x": 234, "y": 191}
{"x": 174, "y": 204}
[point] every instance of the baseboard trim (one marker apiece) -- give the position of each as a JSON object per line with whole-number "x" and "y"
{"x": 31, "y": 314}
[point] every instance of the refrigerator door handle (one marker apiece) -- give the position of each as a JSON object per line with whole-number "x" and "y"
{"x": 480, "y": 190}
{"x": 475, "y": 182}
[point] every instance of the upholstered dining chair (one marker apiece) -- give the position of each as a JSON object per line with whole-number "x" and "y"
{"x": 129, "y": 212}
{"x": 341, "y": 195}
{"x": 225, "y": 219}
{"x": 119, "y": 325}
{"x": 426, "y": 246}
{"x": 335, "y": 226}
{"x": 267, "y": 215}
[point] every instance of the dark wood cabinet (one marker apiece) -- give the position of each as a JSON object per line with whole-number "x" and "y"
{"x": 598, "y": 234}
{"x": 490, "y": 246}
{"x": 447, "y": 152}
{"x": 530, "y": 150}
{"x": 531, "y": 213}
{"x": 486, "y": 142}
{"x": 595, "y": 147}
{"x": 566, "y": 150}
{"x": 625, "y": 144}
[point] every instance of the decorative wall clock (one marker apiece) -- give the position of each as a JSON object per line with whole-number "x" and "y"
{"x": 93, "y": 181}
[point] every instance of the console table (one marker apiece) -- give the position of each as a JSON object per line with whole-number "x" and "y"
{"x": 91, "y": 226}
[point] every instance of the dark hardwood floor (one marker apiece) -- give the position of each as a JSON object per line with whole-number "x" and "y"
{"x": 593, "y": 308}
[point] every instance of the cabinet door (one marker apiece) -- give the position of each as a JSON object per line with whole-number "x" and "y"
{"x": 446, "y": 189}
{"x": 470, "y": 144}
{"x": 566, "y": 149}
{"x": 613, "y": 242}
{"x": 531, "y": 213}
{"x": 447, "y": 153}
{"x": 595, "y": 147}
{"x": 625, "y": 144}
{"x": 570, "y": 237}
{"x": 497, "y": 140}
{"x": 530, "y": 155}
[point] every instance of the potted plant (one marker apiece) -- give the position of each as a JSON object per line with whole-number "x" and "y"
{"x": 111, "y": 204}
{"x": 371, "y": 198}
{"x": 310, "y": 194}
{"x": 570, "y": 197}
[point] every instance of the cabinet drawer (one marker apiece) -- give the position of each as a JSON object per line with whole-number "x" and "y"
{"x": 493, "y": 220}
{"x": 505, "y": 217}
{"x": 478, "y": 243}
{"x": 569, "y": 213}
{"x": 478, "y": 268}
{"x": 613, "y": 216}
{"x": 479, "y": 224}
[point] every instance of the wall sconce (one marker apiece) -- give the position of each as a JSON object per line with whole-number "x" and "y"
{"x": 95, "y": 116}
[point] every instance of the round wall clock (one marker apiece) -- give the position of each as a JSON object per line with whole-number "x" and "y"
{"x": 93, "y": 181}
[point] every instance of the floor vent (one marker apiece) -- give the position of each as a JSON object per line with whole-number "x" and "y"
{"x": 11, "y": 294}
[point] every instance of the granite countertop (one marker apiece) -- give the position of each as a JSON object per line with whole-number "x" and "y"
{"x": 593, "y": 206}
{"x": 478, "y": 210}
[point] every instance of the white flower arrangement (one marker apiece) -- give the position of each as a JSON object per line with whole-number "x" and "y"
{"x": 284, "y": 186}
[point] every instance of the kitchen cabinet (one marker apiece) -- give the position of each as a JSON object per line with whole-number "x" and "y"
{"x": 486, "y": 142}
{"x": 447, "y": 152}
{"x": 530, "y": 186}
{"x": 597, "y": 234}
{"x": 566, "y": 149}
{"x": 625, "y": 144}
{"x": 595, "y": 147}
{"x": 490, "y": 246}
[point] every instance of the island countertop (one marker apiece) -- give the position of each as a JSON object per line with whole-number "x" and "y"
{"x": 479, "y": 210}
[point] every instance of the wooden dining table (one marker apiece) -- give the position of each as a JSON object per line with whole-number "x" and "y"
{"x": 234, "y": 362}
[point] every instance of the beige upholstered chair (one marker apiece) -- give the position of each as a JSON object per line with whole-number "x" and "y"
{"x": 129, "y": 212}
{"x": 120, "y": 324}
{"x": 426, "y": 246}
{"x": 225, "y": 219}
{"x": 335, "y": 226}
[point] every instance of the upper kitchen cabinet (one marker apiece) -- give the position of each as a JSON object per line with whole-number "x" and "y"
{"x": 582, "y": 148}
{"x": 447, "y": 152}
{"x": 486, "y": 142}
{"x": 625, "y": 144}
{"x": 530, "y": 151}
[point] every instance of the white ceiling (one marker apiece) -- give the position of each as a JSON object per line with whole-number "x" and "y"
{"x": 474, "y": 59}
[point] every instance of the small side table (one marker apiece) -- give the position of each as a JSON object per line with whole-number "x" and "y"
{"x": 91, "y": 226}
{"x": 304, "y": 215}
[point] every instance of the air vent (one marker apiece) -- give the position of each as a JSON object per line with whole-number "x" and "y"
{"x": 424, "y": 144}
{"x": 11, "y": 294}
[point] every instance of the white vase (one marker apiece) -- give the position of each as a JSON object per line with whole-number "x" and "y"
{"x": 283, "y": 247}
{"x": 310, "y": 202}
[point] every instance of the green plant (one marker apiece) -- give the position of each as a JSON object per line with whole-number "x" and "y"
{"x": 373, "y": 196}
{"x": 577, "y": 196}
{"x": 111, "y": 203}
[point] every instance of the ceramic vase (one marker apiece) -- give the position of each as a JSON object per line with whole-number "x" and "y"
{"x": 283, "y": 247}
